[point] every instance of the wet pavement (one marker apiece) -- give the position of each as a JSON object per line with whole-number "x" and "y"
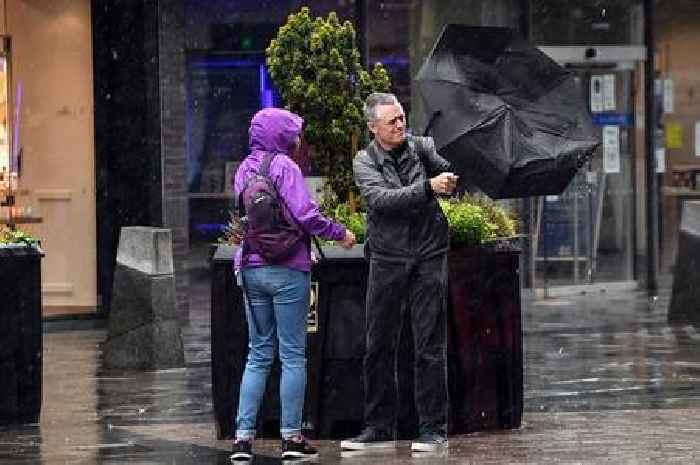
{"x": 607, "y": 381}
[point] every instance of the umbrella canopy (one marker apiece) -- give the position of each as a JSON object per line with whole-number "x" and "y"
{"x": 510, "y": 120}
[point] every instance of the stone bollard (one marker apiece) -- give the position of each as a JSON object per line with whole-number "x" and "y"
{"x": 144, "y": 332}
{"x": 685, "y": 294}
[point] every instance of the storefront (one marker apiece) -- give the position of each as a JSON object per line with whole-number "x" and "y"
{"x": 47, "y": 143}
{"x": 137, "y": 115}
{"x": 593, "y": 234}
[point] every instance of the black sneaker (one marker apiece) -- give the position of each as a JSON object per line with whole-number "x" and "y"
{"x": 429, "y": 442}
{"x": 242, "y": 449}
{"x": 297, "y": 449}
{"x": 369, "y": 439}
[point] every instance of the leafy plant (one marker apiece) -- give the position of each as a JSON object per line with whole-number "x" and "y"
{"x": 474, "y": 220}
{"x": 355, "y": 221}
{"x": 16, "y": 236}
{"x": 315, "y": 64}
{"x": 232, "y": 231}
{"x": 468, "y": 223}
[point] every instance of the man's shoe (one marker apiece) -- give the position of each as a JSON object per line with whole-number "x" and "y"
{"x": 369, "y": 439}
{"x": 297, "y": 448}
{"x": 430, "y": 442}
{"x": 242, "y": 449}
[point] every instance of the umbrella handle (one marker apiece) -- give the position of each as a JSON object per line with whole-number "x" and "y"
{"x": 433, "y": 117}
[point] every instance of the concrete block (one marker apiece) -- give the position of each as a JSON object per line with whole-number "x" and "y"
{"x": 156, "y": 345}
{"x": 140, "y": 299}
{"x": 149, "y": 250}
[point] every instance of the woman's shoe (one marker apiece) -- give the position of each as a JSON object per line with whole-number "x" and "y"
{"x": 242, "y": 449}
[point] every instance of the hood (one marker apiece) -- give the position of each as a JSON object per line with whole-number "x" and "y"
{"x": 274, "y": 130}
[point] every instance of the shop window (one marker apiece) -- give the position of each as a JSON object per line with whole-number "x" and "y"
{"x": 576, "y": 22}
{"x": 9, "y": 157}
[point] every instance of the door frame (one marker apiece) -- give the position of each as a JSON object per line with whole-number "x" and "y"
{"x": 613, "y": 58}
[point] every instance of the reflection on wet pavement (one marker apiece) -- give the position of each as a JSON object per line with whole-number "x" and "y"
{"x": 607, "y": 380}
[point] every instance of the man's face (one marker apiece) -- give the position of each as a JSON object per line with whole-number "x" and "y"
{"x": 390, "y": 126}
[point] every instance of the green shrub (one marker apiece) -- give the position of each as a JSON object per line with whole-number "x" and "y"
{"x": 354, "y": 221}
{"x": 469, "y": 224}
{"x": 472, "y": 220}
{"x": 315, "y": 64}
{"x": 16, "y": 236}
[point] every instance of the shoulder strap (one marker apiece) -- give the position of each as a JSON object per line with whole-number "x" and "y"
{"x": 372, "y": 152}
{"x": 263, "y": 170}
{"x": 265, "y": 165}
{"x": 420, "y": 151}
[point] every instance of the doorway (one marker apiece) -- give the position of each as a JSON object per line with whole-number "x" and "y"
{"x": 585, "y": 238}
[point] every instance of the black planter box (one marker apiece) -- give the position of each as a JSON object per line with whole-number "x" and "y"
{"x": 685, "y": 292}
{"x": 484, "y": 347}
{"x": 20, "y": 333}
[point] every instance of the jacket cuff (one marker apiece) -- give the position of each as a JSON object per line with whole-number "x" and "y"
{"x": 428, "y": 188}
{"x": 340, "y": 230}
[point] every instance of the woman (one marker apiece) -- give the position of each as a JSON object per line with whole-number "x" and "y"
{"x": 277, "y": 294}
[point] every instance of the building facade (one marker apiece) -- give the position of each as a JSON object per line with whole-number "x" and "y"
{"x": 136, "y": 113}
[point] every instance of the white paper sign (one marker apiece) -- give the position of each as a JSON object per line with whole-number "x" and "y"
{"x": 611, "y": 149}
{"x": 668, "y": 96}
{"x": 609, "y": 92}
{"x": 596, "y": 94}
{"x": 697, "y": 138}
{"x": 661, "y": 160}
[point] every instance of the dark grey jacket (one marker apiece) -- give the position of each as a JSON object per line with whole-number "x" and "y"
{"x": 404, "y": 219}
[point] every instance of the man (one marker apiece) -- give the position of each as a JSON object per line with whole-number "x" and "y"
{"x": 399, "y": 178}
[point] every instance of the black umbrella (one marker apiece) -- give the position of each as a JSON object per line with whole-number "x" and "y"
{"x": 512, "y": 122}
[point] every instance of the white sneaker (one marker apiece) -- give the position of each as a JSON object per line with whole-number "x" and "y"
{"x": 429, "y": 443}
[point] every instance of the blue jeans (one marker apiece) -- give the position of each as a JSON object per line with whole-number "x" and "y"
{"x": 277, "y": 300}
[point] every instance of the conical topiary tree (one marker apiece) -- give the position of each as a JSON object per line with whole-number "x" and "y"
{"x": 316, "y": 66}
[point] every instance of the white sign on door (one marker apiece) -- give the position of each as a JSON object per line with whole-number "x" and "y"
{"x": 697, "y": 138}
{"x": 609, "y": 92}
{"x": 668, "y": 96}
{"x": 596, "y": 94}
{"x": 661, "y": 160}
{"x": 611, "y": 149}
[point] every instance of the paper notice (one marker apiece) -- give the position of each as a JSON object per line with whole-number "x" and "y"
{"x": 674, "y": 135}
{"x": 611, "y": 149}
{"x": 609, "y": 92}
{"x": 668, "y": 96}
{"x": 661, "y": 160}
{"x": 697, "y": 138}
{"x": 596, "y": 94}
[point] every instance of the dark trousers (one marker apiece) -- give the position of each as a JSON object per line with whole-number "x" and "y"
{"x": 419, "y": 287}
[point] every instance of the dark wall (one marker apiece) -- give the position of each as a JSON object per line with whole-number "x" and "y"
{"x": 139, "y": 127}
{"x": 127, "y": 128}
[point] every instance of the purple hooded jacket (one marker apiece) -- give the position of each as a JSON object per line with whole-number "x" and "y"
{"x": 276, "y": 131}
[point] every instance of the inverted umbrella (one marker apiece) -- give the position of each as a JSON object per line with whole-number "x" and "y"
{"x": 510, "y": 120}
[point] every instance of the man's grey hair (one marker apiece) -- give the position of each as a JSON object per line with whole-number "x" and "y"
{"x": 374, "y": 100}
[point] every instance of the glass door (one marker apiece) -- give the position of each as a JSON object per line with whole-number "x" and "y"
{"x": 586, "y": 234}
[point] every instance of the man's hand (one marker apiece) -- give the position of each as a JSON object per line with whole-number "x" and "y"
{"x": 349, "y": 240}
{"x": 444, "y": 183}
